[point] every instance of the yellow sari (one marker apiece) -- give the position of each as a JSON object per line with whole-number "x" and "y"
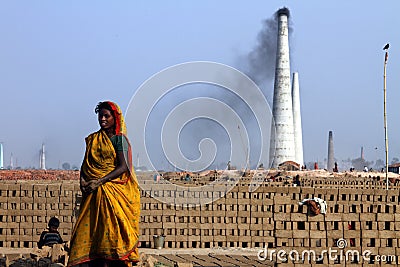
{"x": 108, "y": 223}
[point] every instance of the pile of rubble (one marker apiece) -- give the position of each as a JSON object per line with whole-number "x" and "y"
{"x": 58, "y": 257}
{"x": 45, "y": 257}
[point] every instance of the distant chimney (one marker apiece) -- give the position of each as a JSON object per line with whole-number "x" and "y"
{"x": 11, "y": 162}
{"x": 42, "y": 158}
{"x": 362, "y": 153}
{"x": 331, "y": 157}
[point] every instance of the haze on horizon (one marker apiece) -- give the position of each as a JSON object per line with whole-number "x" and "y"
{"x": 59, "y": 59}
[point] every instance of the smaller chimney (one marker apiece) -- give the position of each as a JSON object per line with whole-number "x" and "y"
{"x": 42, "y": 158}
{"x": 298, "y": 136}
{"x": 331, "y": 157}
{"x": 11, "y": 162}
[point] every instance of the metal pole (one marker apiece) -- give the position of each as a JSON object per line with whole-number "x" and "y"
{"x": 1, "y": 156}
{"x": 385, "y": 121}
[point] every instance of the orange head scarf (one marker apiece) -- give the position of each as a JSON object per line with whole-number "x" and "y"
{"x": 120, "y": 127}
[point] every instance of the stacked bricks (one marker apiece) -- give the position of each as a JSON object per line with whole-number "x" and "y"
{"x": 271, "y": 217}
{"x": 27, "y": 206}
{"x": 361, "y": 213}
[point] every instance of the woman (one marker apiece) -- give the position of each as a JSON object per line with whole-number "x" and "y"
{"x": 107, "y": 230}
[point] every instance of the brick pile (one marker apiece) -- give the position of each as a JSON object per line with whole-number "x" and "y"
{"x": 360, "y": 211}
{"x": 27, "y": 206}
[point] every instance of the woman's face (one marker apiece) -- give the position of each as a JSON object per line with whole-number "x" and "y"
{"x": 106, "y": 119}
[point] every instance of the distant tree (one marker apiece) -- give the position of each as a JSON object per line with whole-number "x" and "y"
{"x": 75, "y": 168}
{"x": 395, "y": 160}
{"x": 359, "y": 163}
{"x": 379, "y": 164}
{"x": 66, "y": 166}
{"x": 142, "y": 168}
{"x": 345, "y": 164}
{"x": 309, "y": 165}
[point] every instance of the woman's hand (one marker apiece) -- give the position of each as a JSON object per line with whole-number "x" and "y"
{"x": 88, "y": 187}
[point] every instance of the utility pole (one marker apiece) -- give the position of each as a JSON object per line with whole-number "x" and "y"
{"x": 1, "y": 156}
{"x": 384, "y": 115}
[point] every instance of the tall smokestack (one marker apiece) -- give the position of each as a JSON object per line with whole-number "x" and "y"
{"x": 1, "y": 157}
{"x": 331, "y": 159}
{"x": 298, "y": 136}
{"x": 42, "y": 158}
{"x": 362, "y": 152}
{"x": 282, "y": 139}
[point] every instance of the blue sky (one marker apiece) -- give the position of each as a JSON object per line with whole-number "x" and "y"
{"x": 59, "y": 58}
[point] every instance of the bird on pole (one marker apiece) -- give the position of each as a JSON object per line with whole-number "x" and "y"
{"x": 386, "y": 47}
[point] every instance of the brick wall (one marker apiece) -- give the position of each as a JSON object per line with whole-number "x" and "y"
{"x": 359, "y": 211}
{"x": 27, "y": 206}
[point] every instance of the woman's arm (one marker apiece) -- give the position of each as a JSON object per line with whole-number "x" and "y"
{"x": 120, "y": 169}
{"x": 89, "y": 186}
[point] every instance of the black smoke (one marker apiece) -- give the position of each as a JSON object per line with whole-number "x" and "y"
{"x": 261, "y": 60}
